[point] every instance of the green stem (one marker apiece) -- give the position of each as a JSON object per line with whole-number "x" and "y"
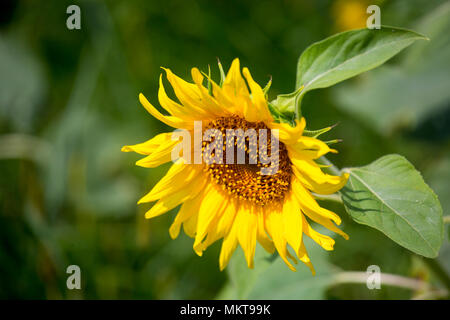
{"x": 388, "y": 279}
{"x": 446, "y": 219}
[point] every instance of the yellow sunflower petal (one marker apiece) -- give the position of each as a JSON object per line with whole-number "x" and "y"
{"x": 175, "y": 108}
{"x": 179, "y": 176}
{"x": 305, "y": 259}
{"x": 212, "y": 205}
{"x": 234, "y": 85}
{"x": 223, "y": 99}
{"x": 258, "y": 98}
{"x": 250, "y": 112}
{"x": 190, "y": 225}
{"x": 261, "y": 234}
{"x": 309, "y": 147}
{"x": 188, "y": 209}
{"x": 169, "y": 202}
{"x": 190, "y": 96}
{"x": 324, "y": 241}
{"x": 287, "y": 133}
{"x": 186, "y": 92}
{"x": 161, "y": 155}
{"x": 292, "y": 222}
{"x": 211, "y": 236}
{"x": 227, "y": 219}
{"x": 275, "y": 228}
{"x": 149, "y": 146}
{"x": 306, "y": 200}
{"x": 229, "y": 244}
{"x": 221, "y": 224}
{"x": 209, "y": 102}
{"x": 320, "y": 219}
{"x": 311, "y": 175}
{"x": 247, "y": 222}
{"x": 172, "y": 121}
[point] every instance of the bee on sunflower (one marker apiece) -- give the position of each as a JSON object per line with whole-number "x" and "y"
{"x": 235, "y": 201}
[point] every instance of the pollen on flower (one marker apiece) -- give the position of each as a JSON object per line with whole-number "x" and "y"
{"x": 245, "y": 181}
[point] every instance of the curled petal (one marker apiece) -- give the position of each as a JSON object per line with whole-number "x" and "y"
{"x": 172, "y": 121}
{"x": 311, "y": 176}
{"x": 149, "y": 146}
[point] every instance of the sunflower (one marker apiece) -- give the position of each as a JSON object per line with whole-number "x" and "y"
{"x": 234, "y": 202}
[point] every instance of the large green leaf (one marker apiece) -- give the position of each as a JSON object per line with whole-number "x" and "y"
{"x": 391, "y": 196}
{"x": 347, "y": 54}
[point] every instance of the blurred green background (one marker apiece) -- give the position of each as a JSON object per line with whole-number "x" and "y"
{"x": 69, "y": 101}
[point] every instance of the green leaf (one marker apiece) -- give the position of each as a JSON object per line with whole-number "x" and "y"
{"x": 391, "y": 196}
{"x": 286, "y": 104}
{"x": 287, "y": 116}
{"x": 348, "y": 54}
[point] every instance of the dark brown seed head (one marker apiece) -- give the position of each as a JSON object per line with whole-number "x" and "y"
{"x": 245, "y": 181}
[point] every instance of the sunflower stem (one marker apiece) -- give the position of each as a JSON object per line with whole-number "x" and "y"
{"x": 392, "y": 280}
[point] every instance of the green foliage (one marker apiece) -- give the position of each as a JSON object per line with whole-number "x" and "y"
{"x": 391, "y": 196}
{"x": 343, "y": 56}
{"x": 348, "y": 54}
{"x": 285, "y": 104}
{"x": 423, "y": 73}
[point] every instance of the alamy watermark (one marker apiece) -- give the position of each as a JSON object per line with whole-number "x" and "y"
{"x": 74, "y": 20}
{"x": 374, "y": 20}
{"x": 373, "y": 277}
{"x": 74, "y": 280}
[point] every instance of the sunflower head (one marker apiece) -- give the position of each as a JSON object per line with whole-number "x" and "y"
{"x": 239, "y": 175}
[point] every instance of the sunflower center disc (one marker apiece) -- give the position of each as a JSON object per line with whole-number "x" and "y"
{"x": 246, "y": 181}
